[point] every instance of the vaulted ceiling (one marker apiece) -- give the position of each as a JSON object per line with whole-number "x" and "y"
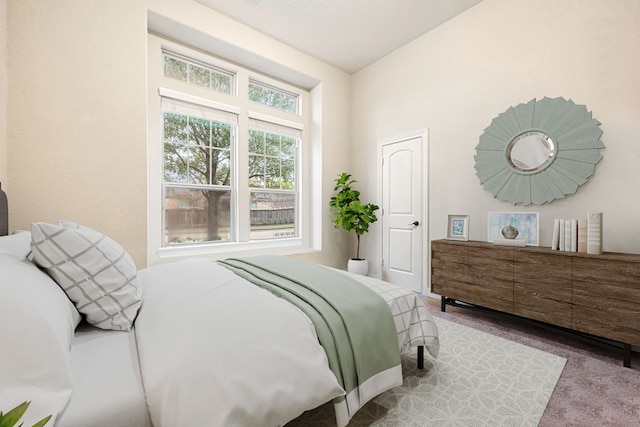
{"x": 349, "y": 34}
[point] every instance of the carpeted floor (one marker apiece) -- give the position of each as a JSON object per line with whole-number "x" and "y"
{"x": 477, "y": 380}
{"x": 594, "y": 388}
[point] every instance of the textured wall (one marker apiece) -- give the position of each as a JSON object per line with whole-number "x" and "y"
{"x": 78, "y": 106}
{"x": 455, "y": 79}
{"x": 4, "y": 175}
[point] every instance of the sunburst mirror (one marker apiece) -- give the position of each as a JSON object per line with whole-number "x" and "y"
{"x": 540, "y": 151}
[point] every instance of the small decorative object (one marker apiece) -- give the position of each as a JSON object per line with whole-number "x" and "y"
{"x": 509, "y": 242}
{"x": 458, "y": 227}
{"x": 526, "y": 226}
{"x": 510, "y": 232}
{"x": 594, "y": 233}
{"x": 540, "y": 151}
{"x": 351, "y": 215}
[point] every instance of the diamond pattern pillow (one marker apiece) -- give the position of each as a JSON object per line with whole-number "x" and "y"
{"x": 97, "y": 274}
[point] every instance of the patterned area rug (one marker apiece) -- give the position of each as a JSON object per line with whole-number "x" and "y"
{"x": 477, "y": 380}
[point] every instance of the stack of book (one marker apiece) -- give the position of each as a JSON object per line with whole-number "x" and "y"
{"x": 578, "y": 234}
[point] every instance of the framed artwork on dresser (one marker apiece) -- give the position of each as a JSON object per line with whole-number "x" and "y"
{"x": 458, "y": 227}
{"x": 503, "y": 225}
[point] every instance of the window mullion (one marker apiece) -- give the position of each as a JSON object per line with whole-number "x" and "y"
{"x": 243, "y": 199}
{"x": 242, "y": 179}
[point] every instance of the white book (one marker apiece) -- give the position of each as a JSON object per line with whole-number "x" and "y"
{"x": 574, "y": 235}
{"x": 594, "y": 233}
{"x": 582, "y": 235}
{"x": 561, "y": 238}
{"x": 567, "y": 235}
{"x": 555, "y": 240}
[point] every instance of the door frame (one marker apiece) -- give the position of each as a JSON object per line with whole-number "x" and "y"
{"x": 423, "y": 135}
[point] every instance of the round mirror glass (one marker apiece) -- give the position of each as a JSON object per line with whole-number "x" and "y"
{"x": 530, "y": 151}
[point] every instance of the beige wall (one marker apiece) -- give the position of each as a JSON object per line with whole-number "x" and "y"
{"x": 76, "y": 109}
{"x": 77, "y": 112}
{"x": 3, "y": 96}
{"x": 455, "y": 79}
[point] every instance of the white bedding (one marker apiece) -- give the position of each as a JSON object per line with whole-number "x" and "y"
{"x": 36, "y": 328}
{"x": 210, "y": 348}
{"x": 216, "y": 350}
{"x": 414, "y": 323}
{"x": 107, "y": 388}
{"x": 232, "y": 354}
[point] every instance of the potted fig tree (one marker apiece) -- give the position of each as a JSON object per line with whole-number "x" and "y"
{"x": 352, "y": 215}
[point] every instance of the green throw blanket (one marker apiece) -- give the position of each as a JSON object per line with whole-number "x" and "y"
{"x": 354, "y": 324}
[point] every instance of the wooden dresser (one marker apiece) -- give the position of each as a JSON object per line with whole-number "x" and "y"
{"x": 597, "y": 295}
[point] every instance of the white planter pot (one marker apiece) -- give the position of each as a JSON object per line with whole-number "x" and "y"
{"x": 358, "y": 266}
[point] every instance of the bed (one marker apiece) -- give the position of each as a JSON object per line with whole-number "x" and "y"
{"x": 91, "y": 340}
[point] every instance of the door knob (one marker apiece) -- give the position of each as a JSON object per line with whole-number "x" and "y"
{"x": 416, "y": 223}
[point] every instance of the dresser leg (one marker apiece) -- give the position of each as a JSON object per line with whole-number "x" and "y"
{"x": 626, "y": 355}
{"x": 443, "y": 303}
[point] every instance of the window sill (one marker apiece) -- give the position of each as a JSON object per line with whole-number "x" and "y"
{"x": 225, "y": 250}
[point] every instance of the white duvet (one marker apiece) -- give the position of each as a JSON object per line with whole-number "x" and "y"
{"x": 216, "y": 350}
{"x": 37, "y": 321}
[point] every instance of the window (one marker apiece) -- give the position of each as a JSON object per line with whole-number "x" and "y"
{"x": 272, "y": 180}
{"x": 197, "y": 74}
{"x": 273, "y": 97}
{"x": 227, "y": 152}
{"x": 197, "y": 166}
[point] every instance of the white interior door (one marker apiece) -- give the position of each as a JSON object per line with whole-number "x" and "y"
{"x": 403, "y": 221}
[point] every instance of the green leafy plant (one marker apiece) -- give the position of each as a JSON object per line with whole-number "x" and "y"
{"x": 350, "y": 213}
{"x": 11, "y": 418}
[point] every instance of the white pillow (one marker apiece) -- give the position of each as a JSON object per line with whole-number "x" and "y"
{"x": 97, "y": 274}
{"x": 37, "y": 322}
{"x": 17, "y": 244}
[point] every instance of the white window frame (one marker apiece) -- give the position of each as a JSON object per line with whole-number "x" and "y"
{"x": 236, "y": 102}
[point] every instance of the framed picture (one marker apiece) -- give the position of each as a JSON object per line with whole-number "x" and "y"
{"x": 458, "y": 227}
{"x": 525, "y": 223}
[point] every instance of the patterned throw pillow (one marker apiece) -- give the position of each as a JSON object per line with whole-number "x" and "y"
{"x": 97, "y": 274}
